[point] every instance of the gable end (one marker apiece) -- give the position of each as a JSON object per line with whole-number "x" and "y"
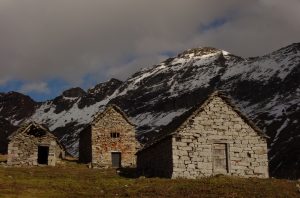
{"x": 114, "y": 108}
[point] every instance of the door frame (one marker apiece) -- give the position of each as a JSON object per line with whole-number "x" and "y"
{"x": 120, "y": 161}
{"x": 43, "y": 145}
{"x": 227, "y": 156}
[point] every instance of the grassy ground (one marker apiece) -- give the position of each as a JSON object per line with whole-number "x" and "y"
{"x": 3, "y": 158}
{"x": 79, "y": 181}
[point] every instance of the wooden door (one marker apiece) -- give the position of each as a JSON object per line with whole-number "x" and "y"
{"x": 220, "y": 158}
{"x": 116, "y": 159}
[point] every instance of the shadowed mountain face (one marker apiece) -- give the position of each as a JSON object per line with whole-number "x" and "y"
{"x": 266, "y": 89}
{"x": 6, "y": 129}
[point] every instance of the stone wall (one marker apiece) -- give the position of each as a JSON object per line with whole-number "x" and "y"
{"x": 157, "y": 160}
{"x": 193, "y": 147}
{"x": 219, "y": 123}
{"x": 103, "y": 144}
{"x": 23, "y": 150}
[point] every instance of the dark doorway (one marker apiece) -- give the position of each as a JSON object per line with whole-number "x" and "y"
{"x": 116, "y": 159}
{"x": 43, "y": 152}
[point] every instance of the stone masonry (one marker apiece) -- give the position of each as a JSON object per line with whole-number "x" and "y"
{"x": 24, "y": 143}
{"x": 110, "y": 132}
{"x": 215, "y": 139}
{"x": 156, "y": 160}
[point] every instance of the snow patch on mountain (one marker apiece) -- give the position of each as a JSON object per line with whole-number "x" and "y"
{"x": 263, "y": 68}
{"x": 285, "y": 124}
{"x": 156, "y": 119}
{"x": 53, "y": 120}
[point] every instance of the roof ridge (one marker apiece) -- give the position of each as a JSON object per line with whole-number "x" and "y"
{"x": 25, "y": 125}
{"x": 197, "y": 109}
{"x": 117, "y": 109}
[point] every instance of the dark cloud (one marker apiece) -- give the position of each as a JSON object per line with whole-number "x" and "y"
{"x": 70, "y": 39}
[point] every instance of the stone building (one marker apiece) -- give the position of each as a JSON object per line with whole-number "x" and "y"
{"x": 109, "y": 141}
{"x": 212, "y": 138}
{"x": 33, "y": 144}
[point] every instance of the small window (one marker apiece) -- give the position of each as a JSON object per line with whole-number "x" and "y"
{"x": 178, "y": 139}
{"x": 249, "y": 155}
{"x": 114, "y": 135}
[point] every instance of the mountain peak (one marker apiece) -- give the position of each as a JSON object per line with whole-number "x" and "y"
{"x": 114, "y": 80}
{"x": 200, "y": 51}
{"x": 19, "y": 96}
{"x": 104, "y": 87}
{"x": 74, "y": 92}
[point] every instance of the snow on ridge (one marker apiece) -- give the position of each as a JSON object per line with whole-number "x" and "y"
{"x": 263, "y": 68}
{"x": 204, "y": 71}
{"x": 283, "y": 126}
{"x": 74, "y": 114}
{"x": 177, "y": 64}
{"x": 206, "y": 59}
{"x": 157, "y": 119}
{"x": 209, "y": 55}
{"x": 70, "y": 98}
{"x": 196, "y": 59}
{"x": 165, "y": 118}
{"x": 225, "y": 53}
{"x": 275, "y": 107}
{"x": 16, "y": 122}
{"x": 73, "y": 146}
{"x": 135, "y": 82}
{"x": 74, "y": 149}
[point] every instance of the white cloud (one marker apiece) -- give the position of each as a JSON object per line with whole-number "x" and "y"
{"x": 68, "y": 39}
{"x": 35, "y": 87}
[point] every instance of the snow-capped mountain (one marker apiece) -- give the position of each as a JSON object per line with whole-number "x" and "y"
{"x": 265, "y": 88}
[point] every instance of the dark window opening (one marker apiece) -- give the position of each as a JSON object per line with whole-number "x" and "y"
{"x": 114, "y": 135}
{"x": 37, "y": 132}
{"x": 178, "y": 139}
{"x": 249, "y": 154}
{"x": 43, "y": 153}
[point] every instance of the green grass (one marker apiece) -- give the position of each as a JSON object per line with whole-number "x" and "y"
{"x": 74, "y": 180}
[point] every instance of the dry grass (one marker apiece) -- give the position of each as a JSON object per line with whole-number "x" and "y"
{"x": 3, "y": 158}
{"x": 74, "y": 180}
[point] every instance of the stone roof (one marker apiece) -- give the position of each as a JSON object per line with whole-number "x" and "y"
{"x": 24, "y": 127}
{"x": 181, "y": 121}
{"x": 98, "y": 116}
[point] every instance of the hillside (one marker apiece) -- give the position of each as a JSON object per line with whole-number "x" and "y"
{"x": 265, "y": 88}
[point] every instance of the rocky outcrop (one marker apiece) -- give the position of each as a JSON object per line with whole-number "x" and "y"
{"x": 5, "y": 130}
{"x": 74, "y": 93}
{"x": 16, "y": 107}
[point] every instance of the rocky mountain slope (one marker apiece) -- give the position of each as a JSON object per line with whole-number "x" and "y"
{"x": 266, "y": 88}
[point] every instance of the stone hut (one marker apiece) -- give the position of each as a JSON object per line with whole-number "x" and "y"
{"x": 33, "y": 144}
{"x": 109, "y": 141}
{"x": 212, "y": 138}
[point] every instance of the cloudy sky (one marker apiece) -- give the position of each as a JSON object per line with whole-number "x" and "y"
{"x": 48, "y": 46}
